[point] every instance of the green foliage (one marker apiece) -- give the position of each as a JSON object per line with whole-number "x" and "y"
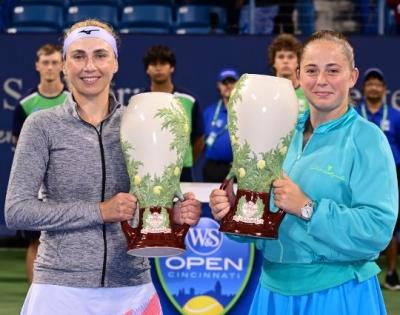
{"x": 239, "y": 211}
{"x": 132, "y": 165}
{"x": 146, "y": 215}
{"x": 235, "y": 97}
{"x": 260, "y": 208}
{"x": 176, "y": 121}
{"x": 253, "y": 172}
{"x": 159, "y": 190}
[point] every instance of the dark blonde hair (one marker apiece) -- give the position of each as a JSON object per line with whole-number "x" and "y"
{"x": 335, "y": 37}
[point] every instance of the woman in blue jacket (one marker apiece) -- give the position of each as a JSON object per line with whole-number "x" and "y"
{"x": 339, "y": 189}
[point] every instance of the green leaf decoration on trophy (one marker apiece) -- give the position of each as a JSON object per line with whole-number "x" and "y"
{"x": 155, "y": 222}
{"x": 249, "y": 212}
{"x": 146, "y": 221}
{"x": 253, "y": 171}
{"x": 157, "y": 190}
{"x": 241, "y": 203}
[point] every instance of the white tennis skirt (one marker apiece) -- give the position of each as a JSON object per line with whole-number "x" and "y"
{"x": 48, "y": 299}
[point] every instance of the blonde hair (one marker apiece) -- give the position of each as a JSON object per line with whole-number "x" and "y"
{"x": 335, "y": 37}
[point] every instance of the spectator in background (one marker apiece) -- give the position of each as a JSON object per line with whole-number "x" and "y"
{"x": 159, "y": 62}
{"x": 339, "y": 192}
{"x": 284, "y": 56}
{"x": 218, "y": 150}
{"x": 48, "y": 93}
{"x": 387, "y": 118}
{"x": 395, "y": 6}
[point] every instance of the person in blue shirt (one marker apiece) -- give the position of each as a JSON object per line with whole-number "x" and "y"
{"x": 218, "y": 149}
{"x": 339, "y": 191}
{"x": 387, "y": 118}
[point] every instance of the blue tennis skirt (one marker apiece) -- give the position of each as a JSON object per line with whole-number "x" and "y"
{"x": 350, "y": 298}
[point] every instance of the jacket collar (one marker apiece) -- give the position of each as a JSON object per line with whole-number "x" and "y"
{"x": 329, "y": 125}
{"x": 72, "y": 106}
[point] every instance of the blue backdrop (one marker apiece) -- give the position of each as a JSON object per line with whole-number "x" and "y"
{"x": 199, "y": 59}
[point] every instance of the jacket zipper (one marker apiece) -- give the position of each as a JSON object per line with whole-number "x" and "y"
{"x": 300, "y": 154}
{"x": 103, "y": 189}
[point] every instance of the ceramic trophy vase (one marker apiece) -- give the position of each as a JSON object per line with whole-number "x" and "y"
{"x": 262, "y": 113}
{"x": 154, "y": 139}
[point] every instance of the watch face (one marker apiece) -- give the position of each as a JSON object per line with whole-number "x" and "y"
{"x": 306, "y": 211}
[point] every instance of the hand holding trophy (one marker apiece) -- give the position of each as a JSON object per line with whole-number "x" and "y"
{"x": 154, "y": 137}
{"x": 262, "y": 113}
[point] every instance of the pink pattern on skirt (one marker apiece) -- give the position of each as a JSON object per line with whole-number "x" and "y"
{"x": 153, "y": 307}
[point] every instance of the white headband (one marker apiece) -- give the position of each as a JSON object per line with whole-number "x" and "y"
{"x": 90, "y": 32}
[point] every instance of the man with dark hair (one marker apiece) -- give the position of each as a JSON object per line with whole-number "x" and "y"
{"x": 284, "y": 55}
{"x": 159, "y": 62}
{"x": 387, "y": 118}
{"x": 48, "y": 93}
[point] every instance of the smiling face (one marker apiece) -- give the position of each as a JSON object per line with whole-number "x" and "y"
{"x": 326, "y": 76}
{"x": 89, "y": 67}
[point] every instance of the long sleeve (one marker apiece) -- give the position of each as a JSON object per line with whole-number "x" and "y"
{"x": 22, "y": 208}
{"x": 362, "y": 228}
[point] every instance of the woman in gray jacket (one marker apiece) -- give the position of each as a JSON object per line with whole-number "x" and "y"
{"x": 82, "y": 266}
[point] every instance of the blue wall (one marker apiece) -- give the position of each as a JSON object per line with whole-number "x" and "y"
{"x": 199, "y": 58}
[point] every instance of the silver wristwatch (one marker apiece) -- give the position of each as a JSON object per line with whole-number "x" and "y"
{"x": 307, "y": 210}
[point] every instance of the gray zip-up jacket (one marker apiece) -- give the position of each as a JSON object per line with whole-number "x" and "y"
{"x": 80, "y": 166}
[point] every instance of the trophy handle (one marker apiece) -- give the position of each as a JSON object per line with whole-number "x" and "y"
{"x": 181, "y": 229}
{"x": 130, "y": 232}
{"x": 278, "y": 215}
{"x": 227, "y": 185}
{"x": 275, "y": 216}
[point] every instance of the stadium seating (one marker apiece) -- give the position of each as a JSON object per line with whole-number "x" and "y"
{"x": 61, "y": 3}
{"x": 146, "y": 19}
{"x": 30, "y": 29}
{"x": 27, "y": 18}
{"x": 198, "y": 30}
{"x": 96, "y": 2}
{"x": 105, "y": 12}
{"x": 149, "y": 2}
{"x": 200, "y": 16}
